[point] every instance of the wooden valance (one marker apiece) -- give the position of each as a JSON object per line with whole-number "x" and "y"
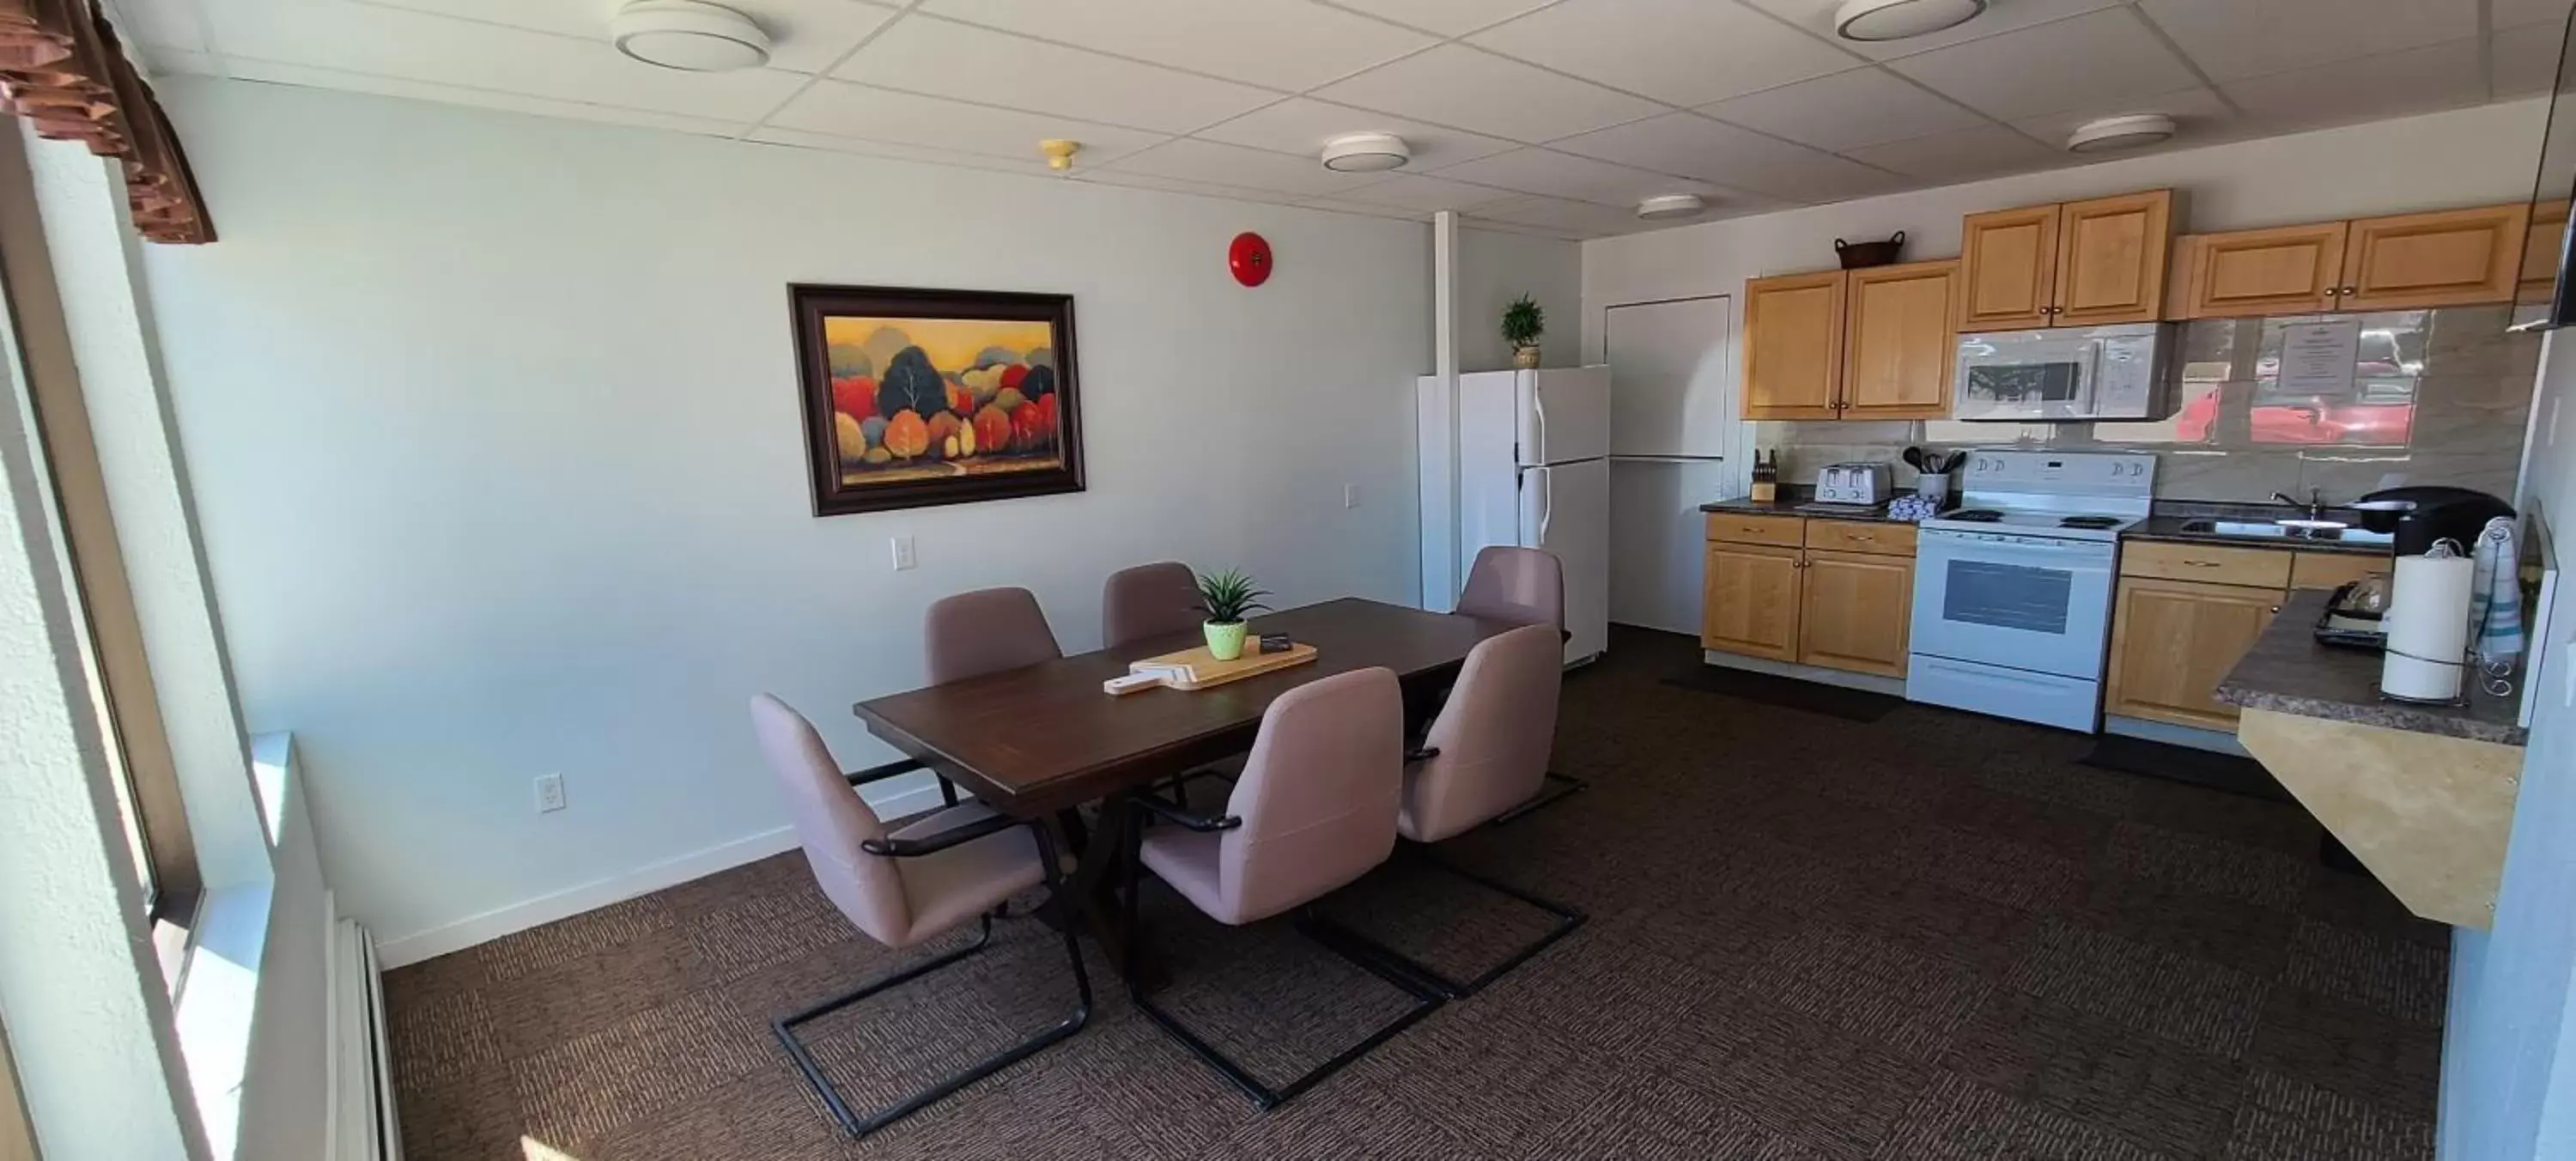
{"x": 62, "y": 70}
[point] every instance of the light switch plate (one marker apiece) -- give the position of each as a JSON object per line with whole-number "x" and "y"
{"x": 550, "y": 793}
{"x": 903, "y": 558}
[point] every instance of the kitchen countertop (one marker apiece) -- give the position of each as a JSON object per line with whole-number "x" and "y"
{"x": 1787, "y": 505}
{"x": 2168, "y": 527}
{"x": 2288, "y": 672}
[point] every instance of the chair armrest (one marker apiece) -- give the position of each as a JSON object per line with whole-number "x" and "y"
{"x": 1177, "y": 816}
{"x": 896, "y": 848}
{"x": 1421, "y": 753}
{"x": 881, "y": 773}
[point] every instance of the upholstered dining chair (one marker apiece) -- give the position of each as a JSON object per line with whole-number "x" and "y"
{"x": 1524, "y": 586}
{"x": 1484, "y": 757}
{"x": 904, "y": 886}
{"x": 969, "y": 635}
{"x": 1314, "y": 809}
{"x": 1148, "y": 600}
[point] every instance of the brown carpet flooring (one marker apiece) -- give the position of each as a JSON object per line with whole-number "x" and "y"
{"x": 1932, "y": 936}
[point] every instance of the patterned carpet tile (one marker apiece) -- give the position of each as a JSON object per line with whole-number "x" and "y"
{"x": 1872, "y": 989}
{"x": 2157, "y": 1095}
{"x": 2349, "y": 1048}
{"x": 1996, "y": 870}
{"x": 521, "y": 954}
{"x": 2285, "y": 1120}
{"x": 2388, "y": 975}
{"x": 1802, "y": 1080}
{"x": 2160, "y": 913}
{"x": 1959, "y": 1120}
{"x": 576, "y": 1091}
{"x": 2253, "y": 874}
{"x": 2082, "y": 787}
{"x": 2189, "y": 1002}
{"x": 762, "y": 930}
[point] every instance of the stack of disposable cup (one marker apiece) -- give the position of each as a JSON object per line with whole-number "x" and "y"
{"x": 2428, "y": 626}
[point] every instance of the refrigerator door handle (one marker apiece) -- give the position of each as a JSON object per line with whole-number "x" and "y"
{"x": 1538, "y": 410}
{"x": 1547, "y": 506}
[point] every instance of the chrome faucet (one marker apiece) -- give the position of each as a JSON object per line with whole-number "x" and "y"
{"x": 2316, "y": 503}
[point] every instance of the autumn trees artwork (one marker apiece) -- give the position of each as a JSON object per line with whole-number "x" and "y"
{"x": 917, "y": 397}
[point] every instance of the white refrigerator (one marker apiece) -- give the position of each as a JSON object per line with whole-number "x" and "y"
{"x": 1532, "y": 469}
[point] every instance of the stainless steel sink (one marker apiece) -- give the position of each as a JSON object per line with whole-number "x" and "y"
{"x": 2269, "y": 530}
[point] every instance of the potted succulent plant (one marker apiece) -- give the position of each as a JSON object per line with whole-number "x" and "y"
{"x": 1226, "y": 598}
{"x": 1523, "y": 322}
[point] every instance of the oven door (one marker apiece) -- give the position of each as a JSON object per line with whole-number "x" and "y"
{"x": 2022, "y": 602}
{"x": 2028, "y": 377}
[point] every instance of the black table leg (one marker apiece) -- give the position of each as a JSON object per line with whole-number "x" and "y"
{"x": 1095, "y": 886}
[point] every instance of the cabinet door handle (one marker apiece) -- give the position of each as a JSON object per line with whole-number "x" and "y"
{"x": 2204, "y": 563}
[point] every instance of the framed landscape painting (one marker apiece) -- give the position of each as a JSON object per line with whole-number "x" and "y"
{"x": 920, "y": 397}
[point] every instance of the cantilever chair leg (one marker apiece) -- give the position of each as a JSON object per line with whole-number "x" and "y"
{"x": 857, "y": 1125}
{"x": 1567, "y": 919}
{"x": 1564, "y": 785}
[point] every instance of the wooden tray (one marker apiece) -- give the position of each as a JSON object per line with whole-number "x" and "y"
{"x": 1199, "y": 669}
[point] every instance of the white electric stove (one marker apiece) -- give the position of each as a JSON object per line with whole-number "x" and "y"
{"x": 2012, "y": 589}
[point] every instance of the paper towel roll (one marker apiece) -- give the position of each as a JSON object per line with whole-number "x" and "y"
{"x": 2428, "y": 627}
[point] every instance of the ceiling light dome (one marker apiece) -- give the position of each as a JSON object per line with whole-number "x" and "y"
{"x": 688, "y": 35}
{"x": 1670, "y": 206}
{"x": 1366, "y": 153}
{"x": 2128, "y": 131}
{"x": 1898, "y": 19}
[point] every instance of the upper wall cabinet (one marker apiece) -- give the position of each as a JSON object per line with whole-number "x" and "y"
{"x": 2540, "y": 245}
{"x": 2405, "y": 262}
{"x": 1850, "y": 344}
{"x": 2085, "y": 263}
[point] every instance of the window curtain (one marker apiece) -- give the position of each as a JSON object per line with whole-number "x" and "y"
{"x": 61, "y": 69}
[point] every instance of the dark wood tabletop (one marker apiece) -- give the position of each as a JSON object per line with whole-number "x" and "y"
{"x": 1040, "y": 739}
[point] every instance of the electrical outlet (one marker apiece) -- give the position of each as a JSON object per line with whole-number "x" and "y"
{"x": 1350, "y": 495}
{"x": 550, "y": 796}
{"x": 903, "y": 558}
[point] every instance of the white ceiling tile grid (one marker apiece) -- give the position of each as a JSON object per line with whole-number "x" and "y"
{"x": 2109, "y": 55}
{"x": 848, "y": 110}
{"x": 1683, "y": 52}
{"x": 2231, "y": 39}
{"x": 1694, "y": 146}
{"x": 1302, "y": 125}
{"x": 1817, "y": 17}
{"x": 928, "y": 55}
{"x": 1282, "y": 44}
{"x": 1846, "y": 111}
{"x": 1477, "y": 90}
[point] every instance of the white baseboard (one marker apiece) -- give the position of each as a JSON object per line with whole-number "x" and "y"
{"x": 597, "y": 893}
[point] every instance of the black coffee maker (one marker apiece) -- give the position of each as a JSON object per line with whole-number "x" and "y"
{"x": 2423, "y": 514}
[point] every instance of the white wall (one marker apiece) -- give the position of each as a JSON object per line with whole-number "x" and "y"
{"x": 493, "y": 427}
{"x": 1496, "y": 268}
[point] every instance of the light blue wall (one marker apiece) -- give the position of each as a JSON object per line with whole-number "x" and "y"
{"x": 2509, "y": 1057}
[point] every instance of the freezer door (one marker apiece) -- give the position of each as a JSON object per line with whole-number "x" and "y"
{"x": 1668, "y": 380}
{"x": 1565, "y": 509}
{"x": 1564, "y": 415}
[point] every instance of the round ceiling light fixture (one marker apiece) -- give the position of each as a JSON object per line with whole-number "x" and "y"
{"x": 2128, "y": 131}
{"x": 688, "y": 35}
{"x": 1898, "y": 19}
{"x": 1669, "y": 207}
{"x": 1366, "y": 153}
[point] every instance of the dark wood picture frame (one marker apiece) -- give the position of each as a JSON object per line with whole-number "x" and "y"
{"x": 810, "y": 306}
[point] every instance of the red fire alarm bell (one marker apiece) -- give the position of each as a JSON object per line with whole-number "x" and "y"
{"x": 1249, "y": 258}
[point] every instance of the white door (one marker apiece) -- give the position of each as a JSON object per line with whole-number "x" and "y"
{"x": 1668, "y": 373}
{"x": 1565, "y": 509}
{"x": 1564, "y": 415}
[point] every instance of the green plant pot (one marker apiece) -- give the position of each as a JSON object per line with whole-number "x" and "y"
{"x": 1225, "y": 642}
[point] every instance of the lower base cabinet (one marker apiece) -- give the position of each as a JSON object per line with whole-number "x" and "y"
{"x": 1749, "y": 600}
{"x": 1835, "y": 594}
{"x": 2172, "y": 642}
{"x": 1855, "y": 611}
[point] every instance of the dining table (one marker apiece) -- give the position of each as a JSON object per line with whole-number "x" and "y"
{"x": 1042, "y": 741}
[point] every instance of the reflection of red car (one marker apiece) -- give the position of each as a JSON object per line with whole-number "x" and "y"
{"x": 2350, "y": 421}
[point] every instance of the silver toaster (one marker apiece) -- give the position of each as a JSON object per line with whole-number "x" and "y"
{"x": 1852, "y": 484}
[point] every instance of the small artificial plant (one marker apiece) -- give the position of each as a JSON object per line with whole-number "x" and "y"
{"x": 1227, "y": 597}
{"x": 1523, "y": 322}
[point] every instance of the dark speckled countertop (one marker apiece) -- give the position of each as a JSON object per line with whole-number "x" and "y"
{"x": 1792, "y": 495}
{"x": 2288, "y": 672}
{"x": 2169, "y": 519}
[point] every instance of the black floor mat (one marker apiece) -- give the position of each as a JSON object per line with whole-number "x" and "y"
{"x": 1851, "y": 705}
{"x": 2226, "y": 772}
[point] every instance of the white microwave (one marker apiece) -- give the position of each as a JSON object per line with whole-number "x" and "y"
{"x": 2065, "y": 374}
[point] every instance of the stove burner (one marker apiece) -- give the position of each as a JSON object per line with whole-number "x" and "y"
{"x": 2088, "y": 522}
{"x": 1974, "y": 515}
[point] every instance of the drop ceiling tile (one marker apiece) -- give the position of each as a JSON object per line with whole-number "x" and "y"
{"x": 1425, "y": 194}
{"x": 1303, "y": 125}
{"x": 1964, "y": 155}
{"x": 2527, "y": 13}
{"x": 283, "y": 73}
{"x": 921, "y": 54}
{"x": 2198, "y": 117}
{"x": 1817, "y": 16}
{"x": 2231, "y": 39}
{"x": 1694, "y": 146}
{"x": 1846, "y": 110}
{"x": 1365, "y": 209}
{"x": 806, "y": 36}
{"x": 2105, "y": 56}
{"x": 2392, "y": 84}
{"x": 1561, "y": 175}
{"x": 1688, "y": 52}
{"x": 1457, "y": 85}
{"x": 413, "y": 46}
{"x": 1446, "y": 17}
{"x": 2524, "y": 65}
{"x": 1155, "y": 181}
{"x": 1214, "y": 163}
{"x": 1577, "y": 219}
{"x": 1282, "y": 44}
{"x": 892, "y": 151}
{"x": 847, "y": 110}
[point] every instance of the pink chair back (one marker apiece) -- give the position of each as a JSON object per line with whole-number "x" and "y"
{"x": 1494, "y": 736}
{"x": 1149, "y": 600}
{"x": 986, "y": 631}
{"x": 1525, "y": 586}
{"x": 831, "y": 821}
{"x": 1318, "y": 796}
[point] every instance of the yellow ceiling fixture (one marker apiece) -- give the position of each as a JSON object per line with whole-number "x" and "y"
{"x": 1059, "y": 152}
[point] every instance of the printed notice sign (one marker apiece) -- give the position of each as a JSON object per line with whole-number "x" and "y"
{"x": 2319, "y": 358}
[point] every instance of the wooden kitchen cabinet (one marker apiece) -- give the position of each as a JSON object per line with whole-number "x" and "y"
{"x": 1793, "y": 349}
{"x": 2450, "y": 258}
{"x": 1749, "y": 600}
{"x": 2172, "y": 642}
{"x": 1898, "y": 348}
{"x": 2088, "y": 263}
{"x": 1855, "y": 610}
{"x": 2283, "y": 270}
{"x": 2542, "y": 240}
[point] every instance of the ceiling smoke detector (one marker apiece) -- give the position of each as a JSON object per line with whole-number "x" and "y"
{"x": 1669, "y": 207}
{"x": 688, "y": 35}
{"x": 1898, "y": 19}
{"x": 2124, "y": 132}
{"x": 1366, "y": 153}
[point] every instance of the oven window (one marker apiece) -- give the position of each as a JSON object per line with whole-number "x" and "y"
{"x": 2026, "y": 382}
{"x": 2006, "y": 596}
